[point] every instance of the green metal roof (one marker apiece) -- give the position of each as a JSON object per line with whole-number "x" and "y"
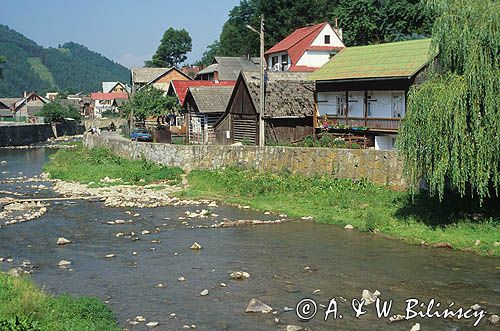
{"x": 399, "y": 59}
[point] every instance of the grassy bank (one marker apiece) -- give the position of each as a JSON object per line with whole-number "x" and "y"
{"x": 91, "y": 166}
{"x": 24, "y": 307}
{"x": 366, "y": 206}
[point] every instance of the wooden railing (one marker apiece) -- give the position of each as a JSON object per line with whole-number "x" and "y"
{"x": 392, "y": 124}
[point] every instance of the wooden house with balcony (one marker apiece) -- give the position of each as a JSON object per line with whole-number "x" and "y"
{"x": 364, "y": 89}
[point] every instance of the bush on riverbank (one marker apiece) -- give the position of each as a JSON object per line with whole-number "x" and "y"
{"x": 367, "y": 206}
{"x": 92, "y": 165}
{"x": 23, "y": 307}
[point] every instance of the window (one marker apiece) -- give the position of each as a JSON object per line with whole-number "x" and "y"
{"x": 397, "y": 105}
{"x": 327, "y": 39}
{"x": 274, "y": 61}
{"x": 284, "y": 62}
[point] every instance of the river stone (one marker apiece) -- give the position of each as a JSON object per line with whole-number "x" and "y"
{"x": 14, "y": 272}
{"x": 257, "y": 306}
{"x": 181, "y": 279}
{"x": 416, "y": 327}
{"x": 140, "y": 319}
{"x": 63, "y": 241}
{"x": 294, "y": 328}
{"x": 239, "y": 275}
{"x": 204, "y": 293}
{"x": 369, "y": 297}
{"x": 349, "y": 227}
{"x": 196, "y": 246}
{"x": 396, "y": 318}
{"x": 152, "y": 324}
{"x": 64, "y": 263}
{"x": 110, "y": 256}
{"x": 494, "y": 319}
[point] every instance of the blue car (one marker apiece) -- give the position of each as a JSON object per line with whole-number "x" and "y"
{"x": 141, "y": 135}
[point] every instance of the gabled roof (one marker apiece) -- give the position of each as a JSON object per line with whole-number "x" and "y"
{"x": 109, "y": 86}
{"x": 288, "y": 94}
{"x": 297, "y": 43}
{"x": 150, "y": 75}
{"x": 402, "y": 59}
{"x": 108, "y": 96}
{"x": 211, "y": 99}
{"x": 180, "y": 87}
{"x": 230, "y": 67}
{"x": 10, "y": 102}
{"x": 6, "y": 113}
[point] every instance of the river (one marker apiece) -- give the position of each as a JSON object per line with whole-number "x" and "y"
{"x": 286, "y": 262}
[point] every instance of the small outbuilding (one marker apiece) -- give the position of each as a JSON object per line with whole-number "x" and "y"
{"x": 288, "y": 113}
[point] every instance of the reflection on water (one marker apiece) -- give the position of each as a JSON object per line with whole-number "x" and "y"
{"x": 286, "y": 263}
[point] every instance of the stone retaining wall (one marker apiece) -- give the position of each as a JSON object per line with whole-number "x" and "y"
{"x": 19, "y": 135}
{"x": 382, "y": 167}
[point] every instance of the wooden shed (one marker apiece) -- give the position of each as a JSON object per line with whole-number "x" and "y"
{"x": 204, "y": 105}
{"x": 288, "y": 114}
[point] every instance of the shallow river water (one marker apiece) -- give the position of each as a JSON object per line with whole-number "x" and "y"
{"x": 287, "y": 263}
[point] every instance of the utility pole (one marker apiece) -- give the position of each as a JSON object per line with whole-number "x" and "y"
{"x": 262, "y": 141}
{"x": 263, "y": 65}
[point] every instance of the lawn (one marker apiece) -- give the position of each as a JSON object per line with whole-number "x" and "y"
{"x": 91, "y": 165}
{"x": 24, "y": 307}
{"x": 366, "y": 206}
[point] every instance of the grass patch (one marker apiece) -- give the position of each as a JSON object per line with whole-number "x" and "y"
{"x": 367, "y": 206}
{"x": 42, "y": 71}
{"x": 24, "y": 307}
{"x": 91, "y": 165}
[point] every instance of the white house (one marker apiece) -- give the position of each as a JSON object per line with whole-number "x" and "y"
{"x": 306, "y": 49}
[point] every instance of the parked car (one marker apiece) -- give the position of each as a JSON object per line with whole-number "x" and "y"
{"x": 141, "y": 134}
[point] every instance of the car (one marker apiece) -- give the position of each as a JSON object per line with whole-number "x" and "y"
{"x": 141, "y": 134}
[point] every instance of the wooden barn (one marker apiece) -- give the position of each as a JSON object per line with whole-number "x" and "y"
{"x": 288, "y": 114}
{"x": 204, "y": 105}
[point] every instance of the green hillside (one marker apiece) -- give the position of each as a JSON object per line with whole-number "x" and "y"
{"x": 72, "y": 67}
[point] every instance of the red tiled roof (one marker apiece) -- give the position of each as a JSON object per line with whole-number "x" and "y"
{"x": 302, "y": 69}
{"x": 108, "y": 96}
{"x": 181, "y": 86}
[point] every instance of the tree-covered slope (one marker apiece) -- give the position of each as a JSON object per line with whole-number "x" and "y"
{"x": 72, "y": 67}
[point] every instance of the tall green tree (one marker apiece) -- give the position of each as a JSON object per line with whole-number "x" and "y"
{"x": 450, "y": 136}
{"x": 149, "y": 101}
{"x": 171, "y": 52}
{"x": 54, "y": 112}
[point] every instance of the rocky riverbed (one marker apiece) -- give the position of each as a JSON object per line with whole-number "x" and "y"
{"x": 171, "y": 264}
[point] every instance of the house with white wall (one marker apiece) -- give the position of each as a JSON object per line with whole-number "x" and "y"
{"x": 364, "y": 89}
{"x": 306, "y": 49}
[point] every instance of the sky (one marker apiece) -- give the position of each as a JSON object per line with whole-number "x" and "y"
{"x": 125, "y": 31}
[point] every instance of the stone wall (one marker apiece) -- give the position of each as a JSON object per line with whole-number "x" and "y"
{"x": 382, "y": 167}
{"x": 19, "y": 135}
{"x": 103, "y": 122}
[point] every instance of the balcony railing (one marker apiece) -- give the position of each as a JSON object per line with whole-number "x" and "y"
{"x": 392, "y": 124}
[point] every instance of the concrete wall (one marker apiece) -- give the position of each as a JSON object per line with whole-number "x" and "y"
{"x": 103, "y": 122}
{"x": 382, "y": 167}
{"x": 19, "y": 135}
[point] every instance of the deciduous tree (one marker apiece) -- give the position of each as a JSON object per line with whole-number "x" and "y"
{"x": 451, "y": 133}
{"x": 172, "y": 50}
{"x": 149, "y": 101}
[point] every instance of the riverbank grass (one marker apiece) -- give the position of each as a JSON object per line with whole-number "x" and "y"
{"x": 24, "y": 307}
{"x": 366, "y": 206}
{"x": 99, "y": 167}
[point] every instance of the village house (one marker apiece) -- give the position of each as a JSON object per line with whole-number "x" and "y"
{"x": 364, "y": 89}
{"x": 228, "y": 68}
{"x": 107, "y": 102}
{"x": 288, "y": 114}
{"x": 6, "y": 113}
{"x": 160, "y": 78}
{"x": 306, "y": 49}
{"x": 23, "y": 109}
{"x": 204, "y": 106}
{"x": 115, "y": 87}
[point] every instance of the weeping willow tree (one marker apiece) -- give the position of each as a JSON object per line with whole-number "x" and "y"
{"x": 451, "y": 134}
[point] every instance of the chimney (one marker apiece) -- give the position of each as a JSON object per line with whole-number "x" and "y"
{"x": 25, "y": 94}
{"x": 216, "y": 76}
{"x": 338, "y": 30}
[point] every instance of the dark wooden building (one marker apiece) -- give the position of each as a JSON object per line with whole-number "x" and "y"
{"x": 288, "y": 114}
{"x": 204, "y": 105}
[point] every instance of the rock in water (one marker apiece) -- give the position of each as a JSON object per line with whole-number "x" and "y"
{"x": 239, "y": 275}
{"x": 152, "y": 324}
{"x": 349, "y": 227}
{"x": 196, "y": 246}
{"x": 416, "y": 327}
{"x": 494, "y": 319}
{"x": 63, "y": 241}
{"x": 369, "y": 297}
{"x": 204, "y": 293}
{"x": 294, "y": 328}
{"x": 14, "y": 272}
{"x": 256, "y": 306}
{"x": 64, "y": 263}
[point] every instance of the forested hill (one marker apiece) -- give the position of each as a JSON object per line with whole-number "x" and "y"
{"x": 71, "y": 67}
